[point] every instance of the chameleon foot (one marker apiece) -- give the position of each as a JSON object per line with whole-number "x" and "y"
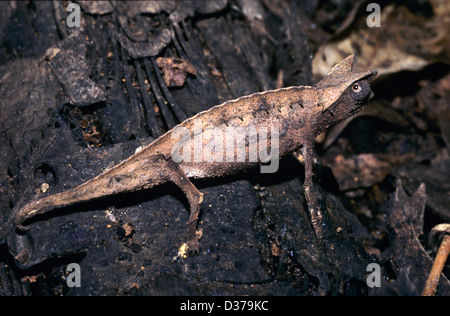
{"x": 193, "y": 246}
{"x": 190, "y": 247}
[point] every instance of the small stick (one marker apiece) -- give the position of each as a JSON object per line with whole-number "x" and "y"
{"x": 436, "y": 270}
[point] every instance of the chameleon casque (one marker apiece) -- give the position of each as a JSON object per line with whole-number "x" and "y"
{"x": 300, "y": 113}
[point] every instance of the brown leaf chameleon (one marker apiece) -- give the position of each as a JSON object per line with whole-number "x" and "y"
{"x": 298, "y": 113}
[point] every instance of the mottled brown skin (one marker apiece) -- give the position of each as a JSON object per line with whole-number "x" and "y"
{"x": 300, "y": 113}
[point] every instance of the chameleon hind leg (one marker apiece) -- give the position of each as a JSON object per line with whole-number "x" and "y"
{"x": 195, "y": 198}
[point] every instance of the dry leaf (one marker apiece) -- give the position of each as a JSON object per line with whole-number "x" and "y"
{"x": 175, "y": 70}
{"x": 364, "y": 170}
{"x": 389, "y": 48}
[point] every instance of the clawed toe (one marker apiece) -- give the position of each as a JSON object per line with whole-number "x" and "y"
{"x": 193, "y": 245}
{"x": 190, "y": 247}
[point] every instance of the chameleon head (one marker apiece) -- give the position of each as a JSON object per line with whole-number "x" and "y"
{"x": 343, "y": 92}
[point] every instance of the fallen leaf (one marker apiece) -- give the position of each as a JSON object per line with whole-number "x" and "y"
{"x": 175, "y": 70}
{"x": 364, "y": 170}
{"x": 406, "y": 253}
{"x": 388, "y": 48}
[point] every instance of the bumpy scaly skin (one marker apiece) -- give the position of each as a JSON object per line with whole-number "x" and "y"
{"x": 300, "y": 114}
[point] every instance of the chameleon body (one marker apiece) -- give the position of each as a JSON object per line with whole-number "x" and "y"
{"x": 300, "y": 113}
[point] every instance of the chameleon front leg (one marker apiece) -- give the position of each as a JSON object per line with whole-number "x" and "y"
{"x": 311, "y": 191}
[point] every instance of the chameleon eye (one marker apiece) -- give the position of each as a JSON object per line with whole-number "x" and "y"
{"x": 356, "y": 88}
{"x": 360, "y": 90}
